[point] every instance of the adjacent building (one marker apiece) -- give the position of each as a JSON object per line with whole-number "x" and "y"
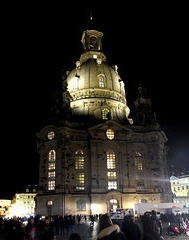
{"x": 4, "y": 207}
{"x": 23, "y": 203}
{"x": 93, "y": 157}
{"x": 180, "y": 189}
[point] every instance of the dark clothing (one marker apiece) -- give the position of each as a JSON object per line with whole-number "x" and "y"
{"x": 148, "y": 232}
{"x": 111, "y": 233}
{"x": 47, "y": 233}
{"x": 131, "y": 230}
{"x": 14, "y": 230}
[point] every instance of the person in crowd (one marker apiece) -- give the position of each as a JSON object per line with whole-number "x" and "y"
{"x": 57, "y": 224}
{"x": 62, "y": 225}
{"x": 108, "y": 230}
{"x": 74, "y": 236}
{"x": 130, "y": 229}
{"x": 47, "y": 230}
{"x": 149, "y": 232}
{"x": 67, "y": 224}
{"x": 14, "y": 229}
{"x": 156, "y": 223}
{"x": 30, "y": 229}
{"x": 72, "y": 223}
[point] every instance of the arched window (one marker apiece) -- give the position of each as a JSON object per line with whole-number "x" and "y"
{"x": 75, "y": 82}
{"x": 52, "y": 156}
{"x": 51, "y": 170}
{"x": 111, "y": 164}
{"x": 139, "y": 169}
{"x": 93, "y": 43}
{"x": 106, "y": 114}
{"x": 101, "y": 81}
{"x": 79, "y": 159}
{"x": 79, "y": 167}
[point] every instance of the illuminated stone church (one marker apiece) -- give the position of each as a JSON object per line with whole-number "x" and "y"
{"x": 93, "y": 157}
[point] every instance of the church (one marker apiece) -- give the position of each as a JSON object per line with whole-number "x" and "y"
{"x": 93, "y": 157}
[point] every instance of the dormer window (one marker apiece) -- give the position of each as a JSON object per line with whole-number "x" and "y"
{"x": 51, "y": 135}
{"x": 101, "y": 80}
{"x": 106, "y": 114}
{"x": 75, "y": 83}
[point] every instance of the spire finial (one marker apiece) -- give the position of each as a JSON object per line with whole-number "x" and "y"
{"x": 91, "y": 15}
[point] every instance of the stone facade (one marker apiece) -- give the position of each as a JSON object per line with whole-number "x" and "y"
{"x": 94, "y": 159}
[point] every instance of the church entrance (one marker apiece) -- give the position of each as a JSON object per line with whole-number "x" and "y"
{"x": 114, "y": 204}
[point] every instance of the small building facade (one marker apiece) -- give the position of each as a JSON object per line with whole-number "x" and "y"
{"x": 180, "y": 189}
{"x": 93, "y": 157}
{"x": 24, "y": 203}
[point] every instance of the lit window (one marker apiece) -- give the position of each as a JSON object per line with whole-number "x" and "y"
{"x": 113, "y": 201}
{"x": 106, "y": 114}
{"x": 110, "y": 134}
{"x": 52, "y": 156}
{"x": 51, "y": 168}
{"x": 112, "y": 184}
{"x": 143, "y": 201}
{"x": 49, "y": 203}
{"x": 138, "y": 161}
{"x": 101, "y": 80}
{"x": 51, "y": 165}
{"x": 51, "y": 175}
{"x": 51, "y": 185}
{"x": 110, "y": 160}
{"x": 51, "y": 135}
{"x": 111, "y": 175}
{"x": 79, "y": 160}
{"x": 139, "y": 168}
{"x": 75, "y": 83}
{"x": 80, "y": 181}
{"x": 138, "y": 164}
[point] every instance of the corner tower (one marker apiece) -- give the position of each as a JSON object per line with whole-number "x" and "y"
{"x": 96, "y": 88}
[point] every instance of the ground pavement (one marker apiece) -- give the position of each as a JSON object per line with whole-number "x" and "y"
{"x": 89, "y": 233}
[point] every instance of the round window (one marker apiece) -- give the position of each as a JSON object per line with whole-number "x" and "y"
{"x": 51, "y": 135}
{"x": 110, "y": 134}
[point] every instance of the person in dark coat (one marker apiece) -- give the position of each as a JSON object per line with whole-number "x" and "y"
{"x": 130, "y": 229}
{"x": 108, "y": 230}
{"x": 148, "y": 232}
{"x": 47, "y": 231}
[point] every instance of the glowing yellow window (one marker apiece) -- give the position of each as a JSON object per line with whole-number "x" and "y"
{"x": 105, "y": 114}
{"x": 51, "y": 185}
{"x": 80, "y": 181}
{"x": 110, "y": 134}
{"x": 110, "y": 160}
{"x": 101, "y": 81}
{"x": 79, "y": 160}
{"x": 52, "y": 156}
{"x": 111, "y": 175}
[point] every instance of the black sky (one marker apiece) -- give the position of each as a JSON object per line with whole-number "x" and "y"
{"x": 148, "y": 43}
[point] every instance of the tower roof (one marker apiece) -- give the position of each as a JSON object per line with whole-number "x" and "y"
{"x": 94, "y": 85}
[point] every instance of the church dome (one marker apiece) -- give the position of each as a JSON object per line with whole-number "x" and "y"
{"x": 95, "y": 87}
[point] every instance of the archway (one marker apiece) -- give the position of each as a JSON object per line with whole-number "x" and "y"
{"x": 114, "y": 204}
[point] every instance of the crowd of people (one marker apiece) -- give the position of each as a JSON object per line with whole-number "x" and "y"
{"x": 148, "y": 227}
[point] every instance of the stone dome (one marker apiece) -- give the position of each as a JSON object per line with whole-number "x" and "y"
{"x": 96, "y": 88}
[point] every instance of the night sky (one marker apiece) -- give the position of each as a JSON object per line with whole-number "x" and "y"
{"x": 149, "y": 43}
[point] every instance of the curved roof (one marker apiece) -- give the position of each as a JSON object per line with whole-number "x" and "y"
{"x": 94, "y": 85}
